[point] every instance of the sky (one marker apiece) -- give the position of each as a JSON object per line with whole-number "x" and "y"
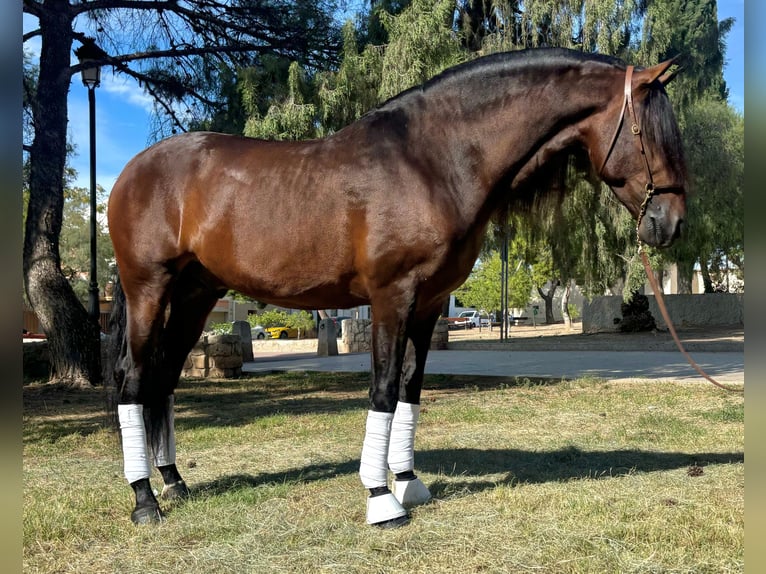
{"x": 123, "y": 111}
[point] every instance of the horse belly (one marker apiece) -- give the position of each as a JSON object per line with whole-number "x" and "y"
{"x": 297, "y": 274}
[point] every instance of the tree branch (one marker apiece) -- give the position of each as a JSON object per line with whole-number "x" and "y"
{"x": 116, "y": 4}
{"x": 32, "y": 34}
{"x": 33, "y": 7}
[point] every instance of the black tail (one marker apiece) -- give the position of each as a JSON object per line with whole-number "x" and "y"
{"x": 113, "y": 368}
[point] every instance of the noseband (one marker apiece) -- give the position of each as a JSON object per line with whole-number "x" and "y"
{"x": 636, "y": 131}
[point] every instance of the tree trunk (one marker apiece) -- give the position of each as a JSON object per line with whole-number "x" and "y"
{"x": 73, "y": 339}
{"x": 707, "y": 280}
{"x": 685, "y": 277}
{"x": 565, "y": 304}
{"x": 548, "y": 298}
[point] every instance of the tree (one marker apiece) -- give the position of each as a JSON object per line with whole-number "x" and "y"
{"x": 714, "y": 140}
{"x": 177, "y": 50}
{"x": 75, "y": 242}
{"x": 482, "y": 289}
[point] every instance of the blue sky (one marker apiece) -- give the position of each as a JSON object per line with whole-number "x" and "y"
{"x": 123, "y": 111}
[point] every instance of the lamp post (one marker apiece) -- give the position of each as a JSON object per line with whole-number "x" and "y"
{"x": 91, "y": 78}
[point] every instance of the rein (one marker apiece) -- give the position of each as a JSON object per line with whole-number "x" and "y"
{"x": 650, "y": 190}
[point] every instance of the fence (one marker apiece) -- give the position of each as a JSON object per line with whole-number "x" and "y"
{"x": 32, "y": 323}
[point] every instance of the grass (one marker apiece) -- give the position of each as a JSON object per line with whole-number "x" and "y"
{"x": 528, "y": 476}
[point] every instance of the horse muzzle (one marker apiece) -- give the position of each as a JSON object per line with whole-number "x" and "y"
{"x": 663, "y": 220}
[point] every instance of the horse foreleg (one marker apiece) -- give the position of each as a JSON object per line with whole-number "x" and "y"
{"x": 383, "y": 509}
{"x": 408, "y": 489}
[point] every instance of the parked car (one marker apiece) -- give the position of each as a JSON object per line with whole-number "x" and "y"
{"x": 259, "y": 333}
{"x": 477, "y": 319}
{"x": 282, "y": 332}
{"x": 459, "y": 323}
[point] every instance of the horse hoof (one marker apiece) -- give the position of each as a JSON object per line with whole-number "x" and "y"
{"x": 175, "y": 491}
{"x": 411, "y": 493}
{"x": 385, "y": 511}
{"x": 394, "y": 523}
{"x": 147, "y": 515}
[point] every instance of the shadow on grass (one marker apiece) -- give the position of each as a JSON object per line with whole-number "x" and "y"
{"x": 54, "y": 411}
{"x": 532, "y": 467}
{"x": 471, "y": 466}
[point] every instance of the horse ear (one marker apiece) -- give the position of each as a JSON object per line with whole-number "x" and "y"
{"x": 661, "y": 72}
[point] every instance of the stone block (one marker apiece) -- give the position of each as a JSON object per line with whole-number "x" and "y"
{"x": 327, "y": 341}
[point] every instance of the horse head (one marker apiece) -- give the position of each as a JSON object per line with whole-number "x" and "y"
{"x": 643, "y": 162}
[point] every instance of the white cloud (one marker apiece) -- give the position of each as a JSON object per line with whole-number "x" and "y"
{"x": 128, "y": 90}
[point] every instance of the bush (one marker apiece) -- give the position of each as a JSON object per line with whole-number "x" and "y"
{"x": 220, "y": 328}
{"x": 303, "y": 321}
{"x": 271, "y": 318}
{"x": 574, "y": 312}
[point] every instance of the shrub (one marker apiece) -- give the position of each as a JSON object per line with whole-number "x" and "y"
{"x": 220, "y": 328}
{"x": 271, "y": 318}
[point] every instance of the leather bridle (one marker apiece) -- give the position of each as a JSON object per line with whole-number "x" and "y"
{"x": 650, "y": 191}
{"x": 635, "y": 129}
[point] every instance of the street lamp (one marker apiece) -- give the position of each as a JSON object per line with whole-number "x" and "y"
{"x": 89, "y": 53}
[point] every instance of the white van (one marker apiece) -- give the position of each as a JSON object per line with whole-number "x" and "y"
{"x": 477, "y": 319}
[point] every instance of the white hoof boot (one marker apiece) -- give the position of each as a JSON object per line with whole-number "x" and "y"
{"x": 384, "y": 510}
{"x": 411, "y": 492}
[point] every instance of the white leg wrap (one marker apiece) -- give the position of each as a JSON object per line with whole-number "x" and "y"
{"x": 165, "y": 452}
{"x": 372, "y": 469}
{"x": 133, "y": 441}
{"x": 401, "y": 450}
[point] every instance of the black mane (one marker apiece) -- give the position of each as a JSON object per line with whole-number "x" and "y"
{"x": 506, "y": 64}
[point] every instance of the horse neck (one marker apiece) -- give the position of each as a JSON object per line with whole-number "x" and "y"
{"x": 509, "y": 131}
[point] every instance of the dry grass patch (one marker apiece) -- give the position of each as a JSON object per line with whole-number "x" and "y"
{"x": 528, "y": 476}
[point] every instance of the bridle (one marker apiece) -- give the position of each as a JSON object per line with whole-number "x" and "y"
{"x": 627, "y": 102}
{"x": 650, "y": 189}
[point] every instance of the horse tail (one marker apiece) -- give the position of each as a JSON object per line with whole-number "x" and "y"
{"x": 113, "y": 367}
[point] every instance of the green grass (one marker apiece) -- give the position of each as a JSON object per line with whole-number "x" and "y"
{"x": 528, "y": 476}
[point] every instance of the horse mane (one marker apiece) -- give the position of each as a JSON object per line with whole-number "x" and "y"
{"x": 659, "y": 126}
{"x": 503, "y": 64}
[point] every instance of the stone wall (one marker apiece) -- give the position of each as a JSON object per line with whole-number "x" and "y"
{"x": 215, "y": 356}
{"x": 357, "y": 336}
{"x": 440, "y": 338}
{"x": 701, "y": 310}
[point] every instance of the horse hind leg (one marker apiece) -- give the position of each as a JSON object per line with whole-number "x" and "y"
{"x": 145, "y": 316}
{"x": 152, "y": 364}
{"x": 192, "y": 300}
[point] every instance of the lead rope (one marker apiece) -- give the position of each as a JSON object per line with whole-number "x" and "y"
{"x": 665, "y": 315}
{"x": 650, "y": 190}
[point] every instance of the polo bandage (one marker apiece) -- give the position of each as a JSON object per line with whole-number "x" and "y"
{"x": 401, "y": 450}
{"x": 165, "y": 452}
{"x": 133, "y": 442}
{"x": 372, "y": 469}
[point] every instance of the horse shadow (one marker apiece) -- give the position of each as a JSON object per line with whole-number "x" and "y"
{"x": 483, "y": 469}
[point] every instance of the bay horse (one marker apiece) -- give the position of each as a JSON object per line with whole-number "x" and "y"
{"x": 409, "y": 188}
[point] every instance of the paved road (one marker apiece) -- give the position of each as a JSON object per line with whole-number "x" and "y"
{"x": 726, "y": 367}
